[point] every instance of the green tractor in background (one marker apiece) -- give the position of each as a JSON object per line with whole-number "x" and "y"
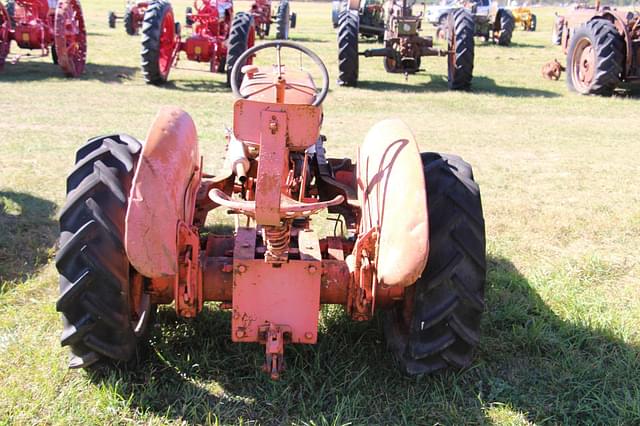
{"x": 371, "y": 14}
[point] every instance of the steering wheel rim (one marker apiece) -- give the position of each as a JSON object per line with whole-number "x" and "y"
{"x": 320, "y": 96}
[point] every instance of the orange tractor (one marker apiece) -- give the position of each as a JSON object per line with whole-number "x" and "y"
{"x": 602, "y": 45}
{"x": 133, "y": 236}
{"x": 52, "y": 27}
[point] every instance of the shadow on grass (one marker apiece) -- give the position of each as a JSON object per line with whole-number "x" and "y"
{"x": 28, "y": 233}
{"x": 36, "y": 70}
{"x": 530, "y": 361}
{"x": 215, "y": 84}
{"x": 438, "y": 83}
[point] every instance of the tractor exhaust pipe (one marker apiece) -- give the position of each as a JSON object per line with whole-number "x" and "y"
{"x": 238, "y": 158}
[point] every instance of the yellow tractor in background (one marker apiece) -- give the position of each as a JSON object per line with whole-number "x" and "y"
{"x": 525, "y": 18}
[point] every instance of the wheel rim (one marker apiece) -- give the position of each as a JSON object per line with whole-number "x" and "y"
{"x": 583, "y": 63}
{"x": 70, "y": 37}
{"x": 5, "y": 28}
{"x": 251, "y": 40}
{"x": 167, "y": 43}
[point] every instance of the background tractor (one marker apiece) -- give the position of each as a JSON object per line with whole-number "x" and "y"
{"x": 133, "y": 236}
{"x": 218, "y": 37}
{"x": 132, "y": 18}
{"x": 491, "y": 22}
{"x": 57, "y": 29}
{"x": 370, "y": 16}
{"x": 404, "y": 48}
{"x": 263, "y": 18}
{"x": 525, "y": 18}
{"x": 602, "y": 50}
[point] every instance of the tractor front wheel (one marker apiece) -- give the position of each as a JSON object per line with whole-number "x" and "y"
{"x": 241, "y": 38}
{"x": 595, "y": 58}
{"x": 158, "y": 42}
{"x": 461, "y": 49}
{"x": 348, "y": 24}
{"x": 70, "y": 37}
{"x": 283, "y": 20}
{"x": 438, "y": 323}
{"x": 507, "y": 25}
{"x": 5, "y": 31}
{"x": 105, "y": 309}
{"x": 130, "y": 24}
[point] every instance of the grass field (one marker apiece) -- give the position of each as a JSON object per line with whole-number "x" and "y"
{"x": 559, "y": 176}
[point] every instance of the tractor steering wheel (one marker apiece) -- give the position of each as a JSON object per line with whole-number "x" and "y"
{"x": 278, "y": 44}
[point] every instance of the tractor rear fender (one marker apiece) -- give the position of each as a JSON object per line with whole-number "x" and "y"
{"x": 391, "y": 191}
{"x": 162, "y": 194}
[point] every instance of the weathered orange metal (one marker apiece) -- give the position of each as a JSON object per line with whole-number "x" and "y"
{"x": 162, "y": 194}
{"x": 389, "y": 158}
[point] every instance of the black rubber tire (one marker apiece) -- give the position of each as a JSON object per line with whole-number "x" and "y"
{"x": 151, "y": 31}
{"x": 112, "y": 19}
{"x": 11, "y": 10}
{"x": 93, "y": 266}
{"x": 335, "y": 12}
{"x": 348, "y": 24}
{"x": 556, "y": 32}
{"x": 54, "y": 54}
{"x": 448, "y": 299}
{"x": 129, "y": 24}
{"x": 283, "y": 20}
{"x": 460, "y": 64}
{"x": 238, "y": 41}
{"x": 534, "y": 22}
{"x": 609, "y": 51}
{"x": 507, "y": 25}
{"x": 188, "y": 11}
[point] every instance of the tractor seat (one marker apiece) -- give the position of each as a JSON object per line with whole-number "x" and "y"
{"x": 258, "y": 84}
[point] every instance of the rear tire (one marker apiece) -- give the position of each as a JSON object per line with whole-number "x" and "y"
{"x": 438, "y": 324}
{"x": 608, "y": 49}
{"x": 129, "y": 22}
{"x": 534, "y": 23}
{"x": 241, "y": 38}
{"x": 95, "y": 274}
{"x": 507, "y": 24}
{"x": 5, "y": 30}
{"x": 187, "y": 16}
{"x": 349, "y": 22}
{"x": 556, "y": 34}
{"x": 157, "y": 40}
{"x": 461, "y": 46}
{"x": 283, "y": 20}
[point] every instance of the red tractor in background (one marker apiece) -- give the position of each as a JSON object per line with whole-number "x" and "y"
{"x": 55, "y": 28}
{"x": 133, "y": 231}
{"x": 283, "y": 18}
{"x": 132, "y": 18}
{"x": 218, "y": 37}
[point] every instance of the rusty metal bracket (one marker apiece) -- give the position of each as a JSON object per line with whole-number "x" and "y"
{"x": 188, "y": 284}
{"x": 361, "y": 298}
{"x": 273, "y": 337}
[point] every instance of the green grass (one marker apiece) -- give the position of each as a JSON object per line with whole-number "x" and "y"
{"x": 559, "y": 179}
